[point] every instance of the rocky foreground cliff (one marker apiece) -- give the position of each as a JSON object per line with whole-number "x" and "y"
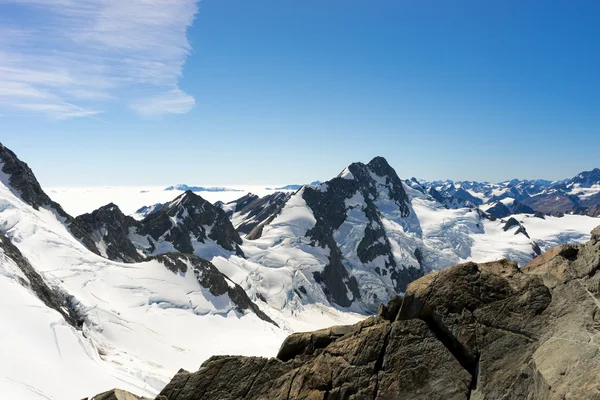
{"x": 472, "y": 331}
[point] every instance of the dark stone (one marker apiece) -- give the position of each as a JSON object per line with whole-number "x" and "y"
{"x": 520, "y": 208}
{"x": 499, "y": 210}
{"x": 552, "y": 203}
{"x": 471, "y": 331}
{"x": 109, "y": 224}
{"x": 511, "y": 223}
{"x": 329, "y": 209}
{"x": 53, "y": 298}
{"x": 193, "y": 215}
{"x": 117, "y": 394}
{"x": 147, "y": 210}
{"x": 210, "y": 277}
{"x": 24, "y": 184}
{"x": 255, "y": 210}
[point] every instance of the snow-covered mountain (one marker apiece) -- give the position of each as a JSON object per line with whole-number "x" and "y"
{"x": 71, "y": 315}
{"x": 185, "y": 188}
{"x": 293, "y": 186}
{"x": 144, "y": 211}
{"x": 115, "y": 298}
{"x": 188, "y": 224}
{"x": 353, "y": 241}
{"x": 249, "y": 211}
{"x": 579, "y": 195}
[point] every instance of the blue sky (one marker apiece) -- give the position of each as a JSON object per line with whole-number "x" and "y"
{"x": 108, "y": 92}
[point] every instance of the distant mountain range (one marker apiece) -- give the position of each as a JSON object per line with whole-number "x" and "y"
{"x": 577, "y": 195}
{"x": 188, "y": 278}
{"x": 183, "y": 187}
{"x": 293, "y": 186}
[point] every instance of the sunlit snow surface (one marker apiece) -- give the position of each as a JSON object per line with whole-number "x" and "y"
{"x": 143, "y": 322}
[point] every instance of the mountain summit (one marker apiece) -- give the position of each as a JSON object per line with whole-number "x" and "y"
{"x": 352, "y": 227}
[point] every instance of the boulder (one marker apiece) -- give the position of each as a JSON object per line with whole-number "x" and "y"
{"x": 471, "y": 331}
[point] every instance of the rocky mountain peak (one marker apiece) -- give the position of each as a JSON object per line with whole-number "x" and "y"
{"x": 349, "y": 211}
{"x": 19, "y": 178}
{"x": 587, "y": 178}
{"x": 110, "y": 230}
{"x": 471, "y": 331}
{"x": 378, "y": 179}
{"x": 250, "y": 211}
{"x": 381, "y": 167}
{"x": 209, "y": 277}
{"x": 190, "y": 219}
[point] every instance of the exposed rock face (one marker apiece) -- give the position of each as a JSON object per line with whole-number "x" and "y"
{"x": 575, "y": 195}
{"x": 330, "y": 211}
{"x": 187, "y": 219}
{"x": 21, "y": 180}
{"x": 50, "y": 297}
{"x": 185, "y": 224}
{"x": 472, "y": 331}
{"x": 117, "y": 394}
{"x": 359, "y": 220}
{"x": 144, "y": 211}
{"x": 499, "y": 210}
{"x": 110, "y": 229}
{"x": 586, "y": 179}
{"x": 212, "y": 279}
{"x": 592, "y": 211}
{"x": 237, "y": 204}
{"x": 453, "y": 197}
{"x": 513, "y": 223}
{"x": 553, "y": 203}
{"x": 249, "y": 211}
{"x": 520, "y": 208}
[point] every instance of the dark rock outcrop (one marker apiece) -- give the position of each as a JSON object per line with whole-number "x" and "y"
{"x": 236, "y": 205}
{"x": 211, "y": 278}
{"x": 512, "y": 223}
{"x": 109, "y": 226}
{"x": 453, "y": 197}
{"x": 190, "y": 217}
{"x": 179, "y": 225}
{"x": 520, "y": 208}
{"x": 471, "y": 331}
{"x": 251, "y": 210}
{"x": 117, "y": 394}
{"x": 499, "y": 210}
{"x": 53, "y": 298}
{"x": 330, "y": 211}
{"x": 592, "y": 211}
{"x": 144, "y": 211}
{"x": 552, "y": 203}
{"x": 24, "y": 184}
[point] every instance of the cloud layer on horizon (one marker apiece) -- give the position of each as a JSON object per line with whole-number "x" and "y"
{"x": 69, "y": 58}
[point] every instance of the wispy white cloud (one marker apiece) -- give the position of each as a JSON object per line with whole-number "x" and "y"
{"x": 174, "y": 101}
{"x": 73, "y": 58}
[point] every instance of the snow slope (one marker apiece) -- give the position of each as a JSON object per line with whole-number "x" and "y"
{"x": 45, "y": 358}
{"x": 143, "y": 319}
